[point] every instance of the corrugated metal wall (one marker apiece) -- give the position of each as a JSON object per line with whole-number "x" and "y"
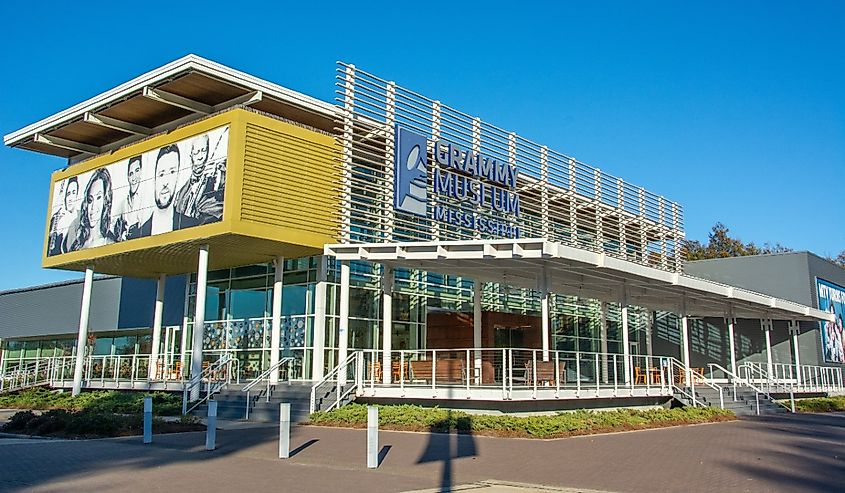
{"x": 55, "y": 309}
{"x": 290, "y": 180}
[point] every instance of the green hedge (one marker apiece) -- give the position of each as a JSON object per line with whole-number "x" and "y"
{"x": 417, "y": 418}
{"x": 820, "y": 404}
{"x": 91, "y": 424}
{"x": 104, "y": 401}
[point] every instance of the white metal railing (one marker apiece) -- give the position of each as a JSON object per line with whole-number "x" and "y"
{"x": 215, "y": 377}
{"x": 25, "y": 375}
{"x": 684, "y": 380}
{"x": 265, "y": 377}
{"x": 739, "y": 381}
{"x": 516, "y": 370}
{"x": 343, "y": 380}
{"x": 784, "y": 376}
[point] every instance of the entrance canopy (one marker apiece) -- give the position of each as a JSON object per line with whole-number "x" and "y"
{"x": 541, "y": 264}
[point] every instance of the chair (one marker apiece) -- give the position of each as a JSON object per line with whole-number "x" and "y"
{"x": 640, "y": 376}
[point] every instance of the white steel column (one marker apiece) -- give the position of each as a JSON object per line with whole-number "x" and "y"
{"x": 82, "y": 338}
{"x": 685, "y": 348}
{"x": 603, "y": 340}
{"x": 343, "y": 323}
{"x": 153, "y": 368}
{"x": 732, "y": 341}
{"x": 476, "y": 327}
{"x": 276, "y": 321}
{"x": 387, "y": 322}
{"x": 649, "y": 327}
{"x": 766, "y": 325}
{"x": 626, "y": 346}
{"x": 319, "y": 351}
{"x": 544, "y": 310}
{"x": 794, "y": 330}
{"x": 183, "y": 336}
{"x": 199, "y": 321}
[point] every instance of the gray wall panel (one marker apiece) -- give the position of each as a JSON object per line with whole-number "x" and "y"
{"x": 55, "y": 309}
{"x": 780, "y": 275}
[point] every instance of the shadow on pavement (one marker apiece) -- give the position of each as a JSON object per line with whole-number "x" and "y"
{"x": 444, "y": 447}
{"x": 303, "y": 446}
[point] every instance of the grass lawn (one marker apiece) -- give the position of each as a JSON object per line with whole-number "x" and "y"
{"x": 564, "y": 424}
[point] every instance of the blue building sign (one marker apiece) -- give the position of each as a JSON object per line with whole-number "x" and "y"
{"x": 410, "y": 174}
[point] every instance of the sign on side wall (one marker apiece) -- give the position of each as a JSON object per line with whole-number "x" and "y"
{"x": 177, "y": 186}
{"x": 832, "y": 300}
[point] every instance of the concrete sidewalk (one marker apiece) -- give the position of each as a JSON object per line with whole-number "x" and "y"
{"x": 782, "y": 453}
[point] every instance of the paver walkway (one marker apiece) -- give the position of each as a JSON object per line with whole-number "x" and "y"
{"x": 780, "y": 453}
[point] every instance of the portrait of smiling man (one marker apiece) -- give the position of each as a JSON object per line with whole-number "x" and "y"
{"x": 164, "y": 184}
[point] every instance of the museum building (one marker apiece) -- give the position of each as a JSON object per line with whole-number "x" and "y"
{"x": 387, "y": 247}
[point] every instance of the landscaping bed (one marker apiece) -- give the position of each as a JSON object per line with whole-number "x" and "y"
{"x": 101, "y": 401}
{"x": 564, "y": 424}
{"x": 820, "y": 404}
{"x": 92, "y": 424}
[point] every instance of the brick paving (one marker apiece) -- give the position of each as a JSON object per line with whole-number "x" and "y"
{"x": 779, "y": 453}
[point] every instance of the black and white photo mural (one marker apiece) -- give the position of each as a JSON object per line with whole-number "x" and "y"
{"x": 174, "y": 187}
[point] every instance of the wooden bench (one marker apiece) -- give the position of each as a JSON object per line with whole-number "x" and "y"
{"x": 446, "y": 370}
{"x": 545, "y": 372}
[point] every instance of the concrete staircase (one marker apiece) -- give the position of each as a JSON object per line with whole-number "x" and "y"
{"x": 744, "y": 405}
{"x": 232, "y": 402}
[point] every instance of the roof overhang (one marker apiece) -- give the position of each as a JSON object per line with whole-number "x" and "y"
{"x": 159, "y": 101}
{"x": 535, "y": 263}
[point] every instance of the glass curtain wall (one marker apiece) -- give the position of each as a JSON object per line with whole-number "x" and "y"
{"x": 239, "y": 307}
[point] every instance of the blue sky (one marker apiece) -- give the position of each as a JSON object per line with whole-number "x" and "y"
{"x": 734, "y": 109}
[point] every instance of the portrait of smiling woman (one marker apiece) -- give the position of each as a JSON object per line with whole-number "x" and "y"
{"x": 95, "y": 213}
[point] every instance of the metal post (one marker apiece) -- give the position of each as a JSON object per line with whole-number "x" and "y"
{"x": 372, "y": 437}
{"x": 211, "y": 426}
{"x": 544, "y": 308}
{"x": 276, "y": 320}
{"x": 476, "y": 328}
{"x": 603, "y": 342}
{"x": 153, "y": 367}
{"x": 732, "y": 342}
{"x": 199, "y": 323}
{"x": 82, "y": 338}
{"x": 318, "y": 358}
{"x": 626, "y": 346}
{"x": 284, "y": 430}
{"x": 148, "y": 420}
{"x": 387, "y": 322}
{"x": 767, "y": 329}
{"x": 343, "y": 323}
{"x": 685, "y": 348}
{"x": 795, "y": 329}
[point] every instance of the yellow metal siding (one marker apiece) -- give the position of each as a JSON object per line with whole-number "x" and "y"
{"x": 290, "y": 180}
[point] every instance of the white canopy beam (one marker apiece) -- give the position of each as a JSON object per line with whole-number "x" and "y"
{"x": 115, "y": 124}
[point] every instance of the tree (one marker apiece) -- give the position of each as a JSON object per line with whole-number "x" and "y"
{"x": 721, "y": 245}
{"x": 839, "y": 260}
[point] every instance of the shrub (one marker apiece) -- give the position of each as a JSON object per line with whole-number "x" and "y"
{"x": 408, "y": 417}
{"x": 820, "y": 404}
{"x": 18, "y": 421}
{"x": 164, "y": 403}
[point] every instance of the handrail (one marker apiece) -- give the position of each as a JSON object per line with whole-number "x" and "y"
{"x": 757, "y": 391}
{"x": 27, "y": 374}
{"x": 347, "y": 363}
{"x": 225, "y": 359}
{"x": 265, "y": 375}
{"x": 690, "y": 375}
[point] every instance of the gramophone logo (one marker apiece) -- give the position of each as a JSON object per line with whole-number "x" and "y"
{"x": 410, "y": 172}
